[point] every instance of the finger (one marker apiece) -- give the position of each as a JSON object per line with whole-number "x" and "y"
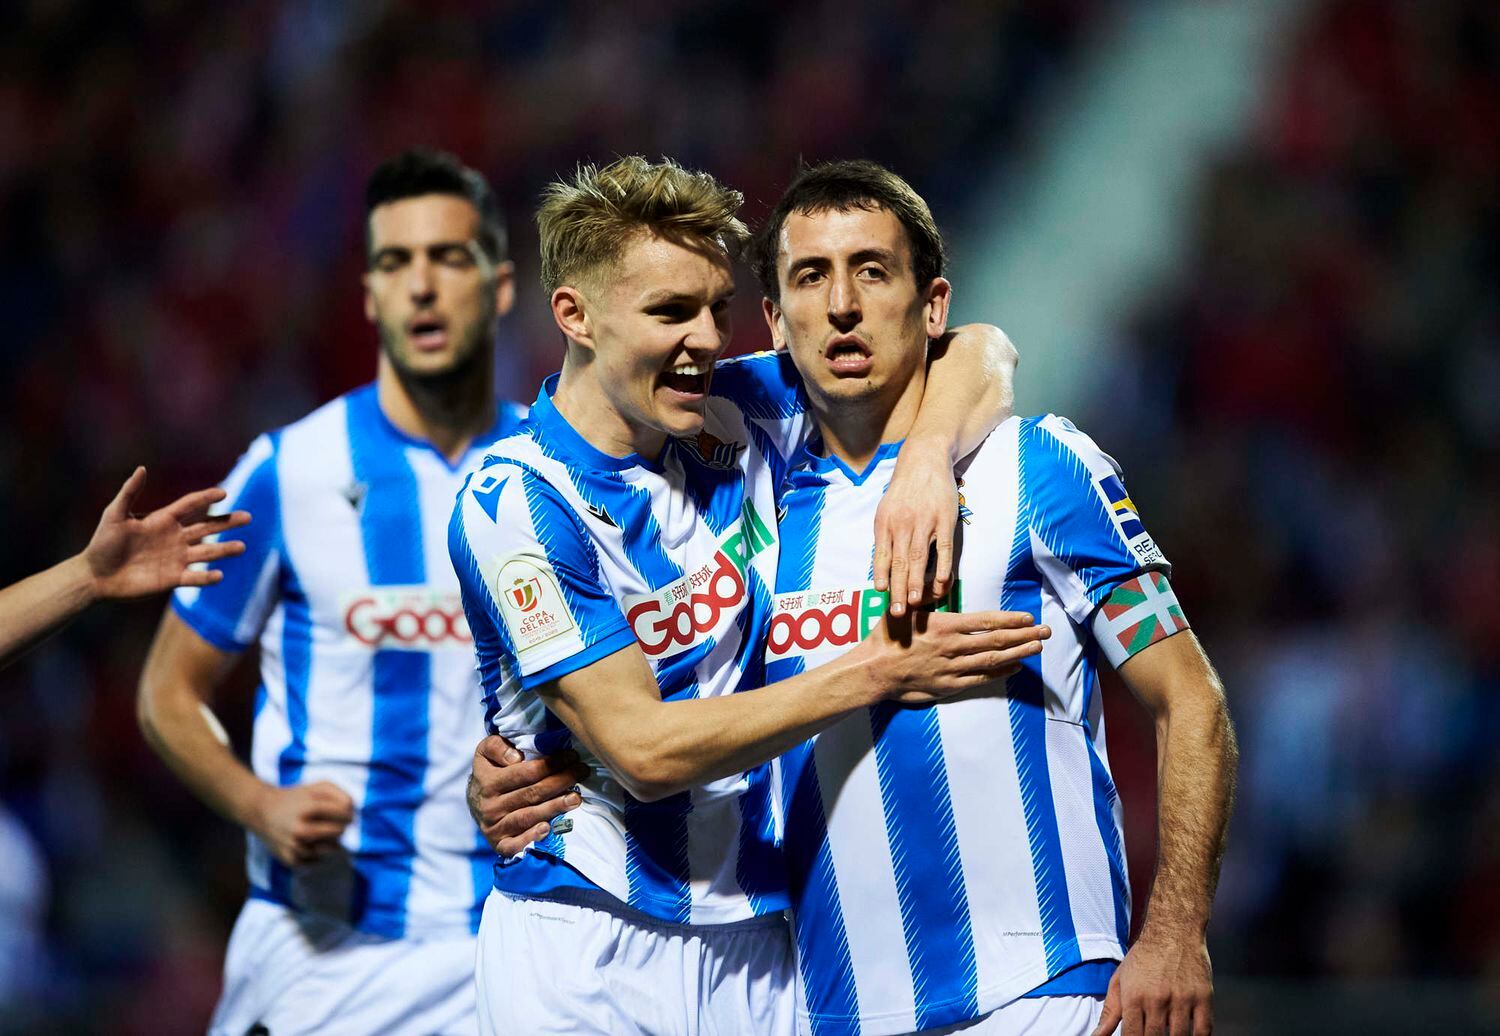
{"x": 517, "y": 778}
{"x": 1005, "y": 640}
{"x": 119, "y": 507}
{"x": 882, "y": 567}
{"x": 1132, "y": 1021}
{"x": 1109, "y": 1020}
{"x": 1180, "y": 1017}
{"x": 311, "y": 852}
{"x": 523, "y": 820}
{"x": 980, "y": 622}
{"x": 494, "y": 806}
{"x": 1203, "y": 1018}
{"x": 918, "y": 549}
{"x": 330, "y": 796}
{"x": 497, "y": 751}
{"x": 511, "y": 846}
{"x": 195, "y": 503}
{"x": 898, "y": 582}
{"x": 200, "y": 577}
{"x": 311, "y": 832}
{"x": 214, "y": 551}
{"x": 988, "y": 666}
{"x": 943, "y": 574}
{"x": 215, "y": 524}
{"x": 1155, "y": 1017}
{"x": 328, "y": 812}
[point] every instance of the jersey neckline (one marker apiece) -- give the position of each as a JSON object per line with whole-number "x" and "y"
{"x": 555, "y": 427}
{"x": 812, "y": 458}
{"x": 480, "y": 443}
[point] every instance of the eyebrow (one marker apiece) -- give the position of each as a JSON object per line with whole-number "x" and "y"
{"x": 667, "y": 297}
{"x": 864, "y": 255}
{"x": 468, "y": 245}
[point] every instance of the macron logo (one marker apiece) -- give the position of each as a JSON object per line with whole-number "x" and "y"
{"x": 488, "y": 495}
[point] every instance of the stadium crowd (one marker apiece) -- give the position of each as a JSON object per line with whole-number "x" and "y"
{"x": 1321, "y": 397}
{"x": 1309, "y": 415}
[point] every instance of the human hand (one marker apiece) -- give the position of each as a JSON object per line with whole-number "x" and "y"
{"x": 928, "y": 656}
{"x": 918, "y": 512}
{"x": 133, "y": 557}
{"x": 302, "y": 823}
{"x": 1164, "y": 987}
{"x": 514, "y": 800}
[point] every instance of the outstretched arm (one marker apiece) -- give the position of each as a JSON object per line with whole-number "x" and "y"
{"x": 1166, "y": 981}
{"x": 970, "y": 391}
{"x": 127, "y": 557}
{"x": 656, "y": 748}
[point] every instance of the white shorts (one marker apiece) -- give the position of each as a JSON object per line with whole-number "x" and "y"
{"x": 1036, "y": 1016}
{"x": 291, "y": 974}
{"x": 565, "y": 968}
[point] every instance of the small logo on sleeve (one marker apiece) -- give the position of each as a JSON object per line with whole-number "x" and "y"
{"x": 1127, "y": 520}
{"x": 531, "y": 602}
{"x": 487, "y": 493}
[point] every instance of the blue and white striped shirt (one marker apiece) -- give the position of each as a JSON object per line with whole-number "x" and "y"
{"x": 946, "y": 860}
{"x": 567, "y": 555}
{"x": 367, "y": 675}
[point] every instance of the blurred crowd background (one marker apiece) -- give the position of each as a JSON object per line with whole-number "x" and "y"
{"x": 1307, "y": 408}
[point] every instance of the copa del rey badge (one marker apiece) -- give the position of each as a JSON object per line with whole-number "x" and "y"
{"x": 531, "y": 602}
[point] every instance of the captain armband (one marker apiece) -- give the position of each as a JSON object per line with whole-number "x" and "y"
{"x": 1136, "y": 614}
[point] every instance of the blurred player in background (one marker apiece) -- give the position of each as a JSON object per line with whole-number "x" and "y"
{"x": 616, "y": 558}
{"x": 126, "y": 557}
{"x": 366, "y": 873}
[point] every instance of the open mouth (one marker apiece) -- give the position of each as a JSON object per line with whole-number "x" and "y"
{"x": 848, "y": 355}
{"x": 688, "y": 379}
{"x": 427, "y": 333}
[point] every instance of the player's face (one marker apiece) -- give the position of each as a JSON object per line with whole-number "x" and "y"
{"x": 430, "y": 290}
{"x": 658, "y": 322}
{"x": 851, "y": 312}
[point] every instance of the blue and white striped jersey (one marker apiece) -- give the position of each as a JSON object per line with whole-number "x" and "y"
{"x": 367, "y": 674}
{"x": 567, "y": 555}
{"x": 946, "y": 860}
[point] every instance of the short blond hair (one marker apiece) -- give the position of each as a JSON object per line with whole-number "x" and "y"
{"x": 584, "y": 223}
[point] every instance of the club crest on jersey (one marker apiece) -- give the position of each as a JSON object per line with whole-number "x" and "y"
{"x": 964, "y": 514}
{"x": 531, "y": 602}
{"x": 1127, "y": 520}
{"x": 811, "y": 621}
{"x": 713, "y": 451}
{"x": 673, "y": 618}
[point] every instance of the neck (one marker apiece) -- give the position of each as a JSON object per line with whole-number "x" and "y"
{"x": 448, "y": 412}
{"x": 854, "y": 429}
{"x": 582, "y": 402}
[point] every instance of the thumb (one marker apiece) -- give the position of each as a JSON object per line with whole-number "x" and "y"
{"x": 332, "y": 793}
{"x": 119, "y": 507}
{"x": 499, "y": 751}
{"x": 1109, "y": 1020}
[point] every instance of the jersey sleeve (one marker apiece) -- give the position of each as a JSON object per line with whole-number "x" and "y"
{"x": 530, "y": 578}
{"x": 767, "y": 390}
{"x": 1089, "y": 543}
{"x": 229, "y": 614}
